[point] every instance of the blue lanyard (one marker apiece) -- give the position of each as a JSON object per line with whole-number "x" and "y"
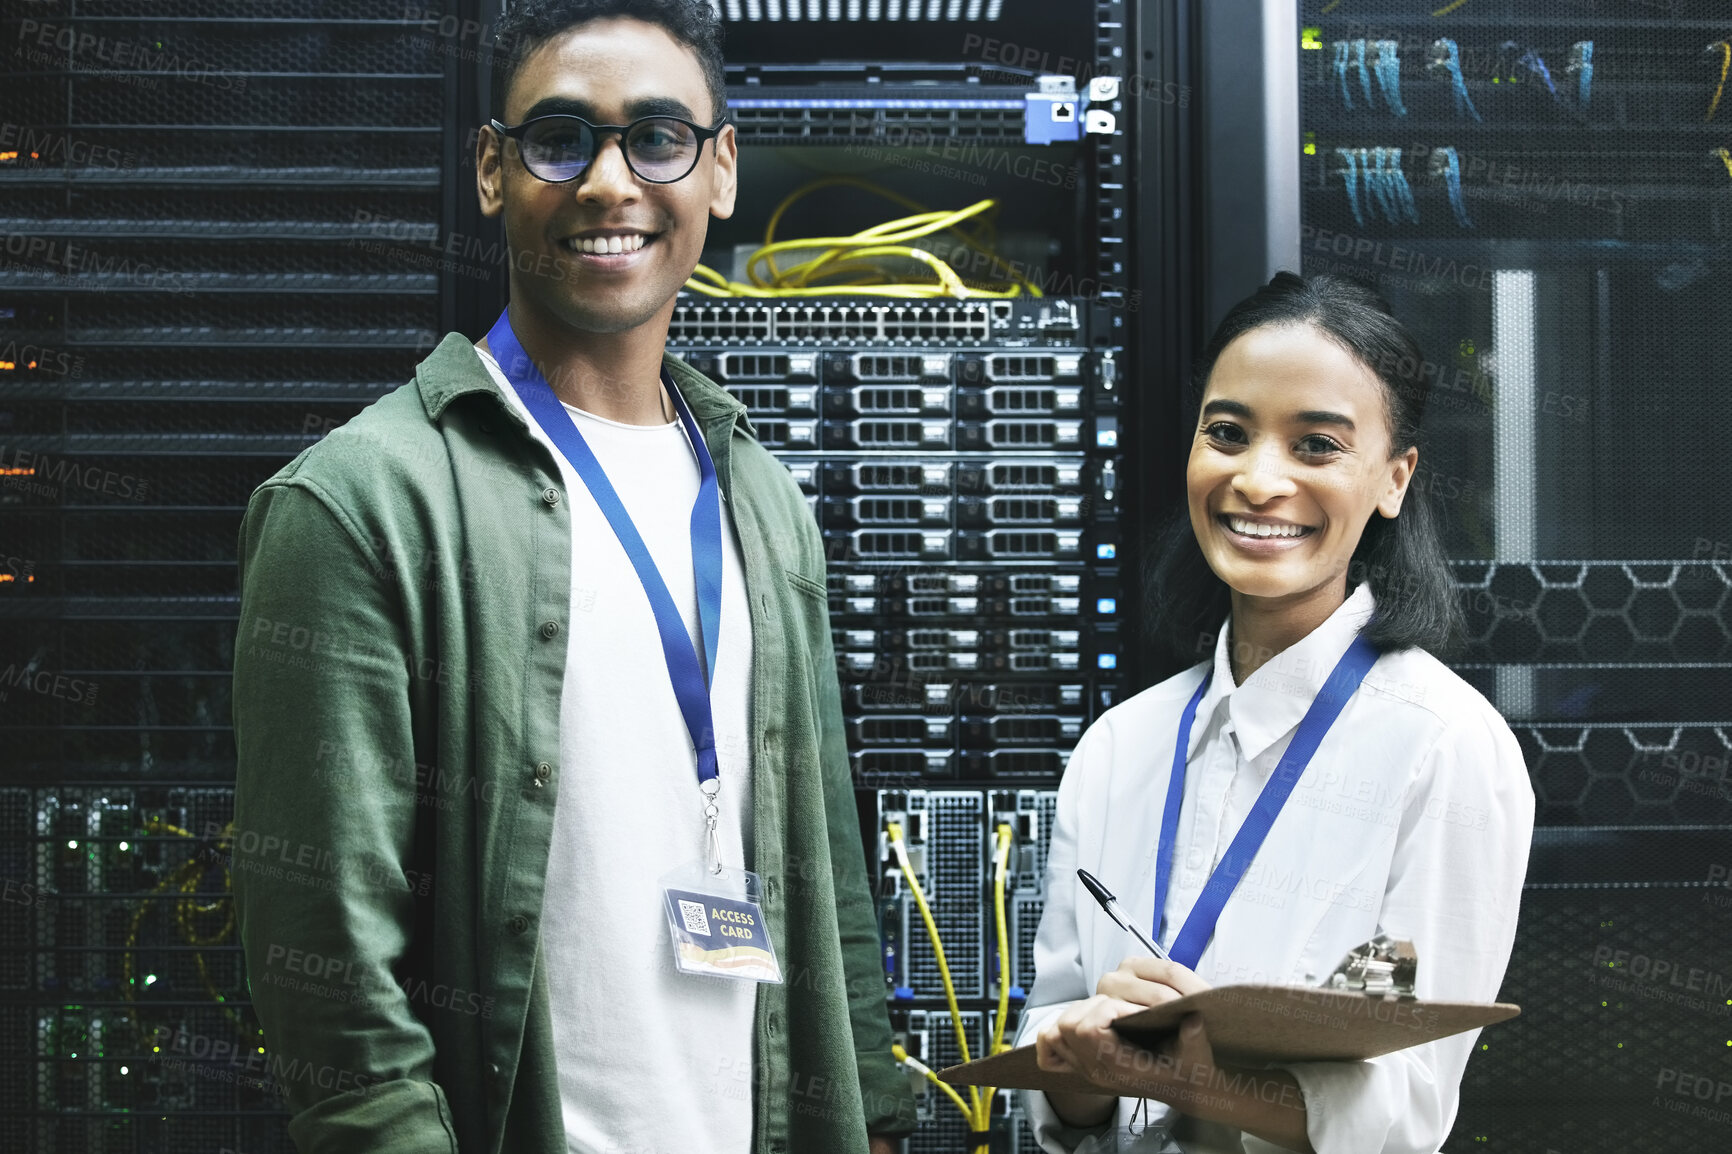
{"x": 691, "y": 684}
{"x": 1199, "y": 927}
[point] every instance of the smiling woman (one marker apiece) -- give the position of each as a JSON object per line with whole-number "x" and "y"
{"x": 1305, "y": 573}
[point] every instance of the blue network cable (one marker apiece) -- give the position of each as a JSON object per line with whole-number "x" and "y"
{"x": 1582, "y": 64}
{"x": 1377, "y": 182}
{"x": 1389, "y": 75}
{"x": 1350, "y": 172}
{"x": 1445, "y": 163}
{"x": 1532, "y": 62}
{"x": 1402, "y": 191}
{"x": 1364, "y": 76}
{"x": 1445, "y": 55}
{"x": 1340, "y": 65}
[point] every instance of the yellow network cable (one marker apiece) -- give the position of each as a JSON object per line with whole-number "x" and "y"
{"x": 861, "y": 259}
{"x": 978, "y": 1109}
{"x": 1001, "y": 867}
{"x": 925, "y": 1071}
{"x": 1725, "y": 158}
{"x": 1725, "y": 48}
{"x": 894, "y": 830}
{"x": 185, "y": 878}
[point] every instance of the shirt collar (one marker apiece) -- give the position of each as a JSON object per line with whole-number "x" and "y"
{"x": 1274, "y": 699}
{"x": 454, "y": 369}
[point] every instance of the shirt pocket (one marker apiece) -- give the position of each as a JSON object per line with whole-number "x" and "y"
{"x": 808, "y": 586}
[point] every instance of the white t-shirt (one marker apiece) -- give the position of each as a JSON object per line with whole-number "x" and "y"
{"x": 651, "y": 1061}
{"x": 1414, "y": 819}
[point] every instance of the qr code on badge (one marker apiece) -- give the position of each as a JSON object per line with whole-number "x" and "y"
{"x": 693, "y": 915}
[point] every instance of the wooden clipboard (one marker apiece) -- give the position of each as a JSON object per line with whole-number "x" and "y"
{"x": 1261, "y": 1025}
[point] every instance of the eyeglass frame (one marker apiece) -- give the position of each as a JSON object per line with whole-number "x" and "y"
{"x": 703, "y": 134}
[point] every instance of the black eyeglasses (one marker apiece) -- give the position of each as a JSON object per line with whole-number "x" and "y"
{"x": 559, "y": 147}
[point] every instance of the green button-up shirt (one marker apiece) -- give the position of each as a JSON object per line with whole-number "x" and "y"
{"x": 405, "y": 591}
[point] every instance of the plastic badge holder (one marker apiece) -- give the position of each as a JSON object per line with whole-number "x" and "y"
{"x": 717, "y": 923}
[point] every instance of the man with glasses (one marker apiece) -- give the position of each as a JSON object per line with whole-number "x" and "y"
{"x": 546, "y": 838}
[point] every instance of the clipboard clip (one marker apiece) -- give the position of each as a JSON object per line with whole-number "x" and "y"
{"x": 1383, "y": 967}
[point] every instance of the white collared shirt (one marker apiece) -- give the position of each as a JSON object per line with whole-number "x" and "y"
{"x": 1413, "y": 819}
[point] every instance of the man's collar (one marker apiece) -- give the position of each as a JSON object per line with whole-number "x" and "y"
{"x": 455, "y": 369}
{"x": 1274, "y": 699}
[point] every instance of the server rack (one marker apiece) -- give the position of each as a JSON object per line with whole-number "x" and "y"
{"x": 972, "y": 464}
{"x": 229, "y": 233}
{"x": 211, "y": 226}
{"x": 1539, "y": 190}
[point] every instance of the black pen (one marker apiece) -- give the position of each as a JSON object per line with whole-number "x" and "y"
{"x": 1111, "y": 905}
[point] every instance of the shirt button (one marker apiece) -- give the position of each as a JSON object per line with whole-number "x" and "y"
{"x": 773, "y": 1024}
{"x": 518, "y": 923}
{"x": 550, "y": 495}
{"x": 543, "y": 772}
{"x": 493, "y": 1068}
{"x": 550, "y": 629}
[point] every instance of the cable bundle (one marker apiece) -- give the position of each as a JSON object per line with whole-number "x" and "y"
{"x": 1446, "y": 57}
{"x": 1582, "y": 64}
{"x": 977, "y": 1108}
{"x": 1385, "y": 184}
{"x": 193, "y": 904}
{"x": 1389, "y": 75}
{"x": 1387, "y": 66}
{"x": 867, "y": 262}
{"x": 1447, "y": 165}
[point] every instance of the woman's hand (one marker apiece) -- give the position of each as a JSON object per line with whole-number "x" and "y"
{"x": 1081, "y": 1040}
{"x": 1150, "y": 981}
{"x": 1182, "y": 1073}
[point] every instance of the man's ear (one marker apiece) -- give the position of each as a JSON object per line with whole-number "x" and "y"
{"x": 489, "y": 171}
{"x": 727, "y": 174}
{"x": 1401, "y": 474}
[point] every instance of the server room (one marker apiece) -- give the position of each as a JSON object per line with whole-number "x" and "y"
{"x": 865, "y": 576}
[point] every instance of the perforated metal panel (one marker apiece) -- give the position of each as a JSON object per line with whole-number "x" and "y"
{"x": 1535, "y": 188}
{"x": 942, "y": 1127}
{"x": 210, "y": 219}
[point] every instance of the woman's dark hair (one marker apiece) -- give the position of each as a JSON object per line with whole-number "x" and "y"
{"x": 1401, "y": 558}
{"x": 528, "y": 24}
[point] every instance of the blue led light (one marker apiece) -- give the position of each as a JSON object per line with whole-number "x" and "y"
{"x": 1108, "y": 661}
{"x": 1105, "y": 552}
{"x": 1106, "y": 605}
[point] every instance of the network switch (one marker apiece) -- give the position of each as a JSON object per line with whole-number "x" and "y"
{"x": 699, "y": 324}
